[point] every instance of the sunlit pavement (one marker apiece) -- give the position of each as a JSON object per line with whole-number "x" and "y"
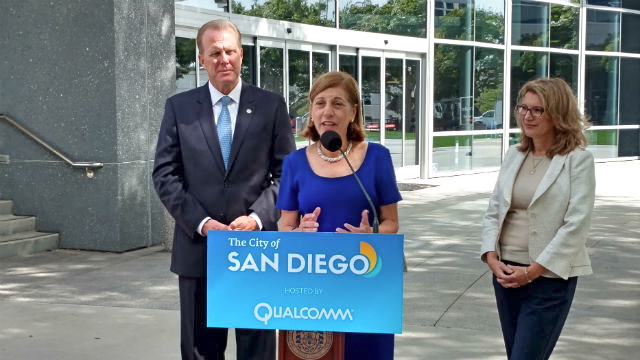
{"x": 70, "y": 305}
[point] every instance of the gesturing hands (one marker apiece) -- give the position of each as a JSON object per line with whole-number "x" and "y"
{"x": 363, "y": 228}
{"x": 309, "y": 222}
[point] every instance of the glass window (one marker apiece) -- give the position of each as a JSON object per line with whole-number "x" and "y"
{"x": 525, "y": 66}
{"x": 299, "y": 83}
{"x": 488, "y": 89}
{"x": 411, "y": 125}
{"x": 393, "y": 118}
{"x": 349, "y": 64}
{"x": 186, "y": 64}
{"x": 271, "y": 67}
{"x": 248, "y": 71}
{"x": 630, "y": 30}
{"x": 565, "y": 66}
{"x": 453, "y": 84}
{"x": 457, "y": 153}
{"x": 564, "y": 26}
{"x": 313, "y": 12}
{"x": 612, "y": 3}
{"x": 320, "y": 63}
{"x": 631, "y": 4}
{"x": 601, "y": 89}
{"x": 371, "y": 96}
{"x": 530, "y": 25}
{"x": 387, "y": 17}
{"x": 603, "y": 30}
{"x": 613, "y": 143}
{"x": 455, "y": 22}
{"x": 489, "y": 24}
{"x": 629, "y": 90}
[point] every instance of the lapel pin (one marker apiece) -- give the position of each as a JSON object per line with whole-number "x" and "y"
{"x": 249, "y": 111}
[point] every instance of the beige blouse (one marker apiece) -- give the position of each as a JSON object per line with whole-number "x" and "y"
{"x": 514, "y": 239}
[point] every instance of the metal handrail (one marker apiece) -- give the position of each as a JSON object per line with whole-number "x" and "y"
{"x": 88, "y": 166}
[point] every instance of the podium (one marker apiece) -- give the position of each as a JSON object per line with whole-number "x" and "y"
{"x": 322, "y": 285}
{"x": 310, "y": 345}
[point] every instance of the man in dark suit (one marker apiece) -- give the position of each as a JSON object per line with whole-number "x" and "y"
{"x": 204, "y": 191}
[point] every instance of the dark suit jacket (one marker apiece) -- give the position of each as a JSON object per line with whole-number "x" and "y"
{"x": 189, "y": 174}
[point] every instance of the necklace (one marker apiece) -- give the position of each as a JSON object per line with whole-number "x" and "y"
{"x": 535, "y": 164}
{"x": 333, "y": 159}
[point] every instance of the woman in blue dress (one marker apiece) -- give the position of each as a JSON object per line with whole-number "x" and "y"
{"x": 318, "y": 192}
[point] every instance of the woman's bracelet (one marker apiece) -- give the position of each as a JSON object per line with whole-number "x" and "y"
{"x": 526, "y": 274}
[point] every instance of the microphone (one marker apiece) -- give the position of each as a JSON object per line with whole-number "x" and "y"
{"x": 332, "y": 142}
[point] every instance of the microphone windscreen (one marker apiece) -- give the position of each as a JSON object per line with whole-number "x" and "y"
{"x": 331, "y": 140}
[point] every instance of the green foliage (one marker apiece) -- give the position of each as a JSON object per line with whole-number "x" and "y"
{"x": 400, "y": 17}
{"x": 185, "y": 56}
{"x": 290, "y": 10}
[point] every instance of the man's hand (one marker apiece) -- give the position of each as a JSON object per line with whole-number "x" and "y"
{"x": 213, "y": 225}
{"x": 244, "y": 223}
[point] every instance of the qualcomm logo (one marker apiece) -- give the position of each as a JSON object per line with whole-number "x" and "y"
{"x": 265, "y": 312}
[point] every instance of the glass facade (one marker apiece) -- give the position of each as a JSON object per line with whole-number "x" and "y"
{"x": 438, "y": 78}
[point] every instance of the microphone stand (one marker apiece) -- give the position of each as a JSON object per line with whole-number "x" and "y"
{"x": 376, "y": 222}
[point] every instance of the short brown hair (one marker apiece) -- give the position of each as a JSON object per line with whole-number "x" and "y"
{"x": 349, "y": 84}
{"x": 561, "y": 107}
{"x": 218, "y": 24}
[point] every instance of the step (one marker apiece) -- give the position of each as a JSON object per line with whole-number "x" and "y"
{"x": 12, "y": 224}
{"x": 6, "y": 207}
{"x": 27, "y": 242}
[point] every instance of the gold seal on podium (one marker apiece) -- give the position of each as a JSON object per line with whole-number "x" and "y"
{"x": 309, "y": 345}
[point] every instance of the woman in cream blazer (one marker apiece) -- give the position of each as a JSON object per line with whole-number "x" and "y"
{"x": 538, "y": 220}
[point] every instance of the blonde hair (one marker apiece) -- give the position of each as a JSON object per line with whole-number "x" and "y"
{"x": 218, "y": 24}
{"x": 561, "y": 107}
{"x": 349, "y": 84}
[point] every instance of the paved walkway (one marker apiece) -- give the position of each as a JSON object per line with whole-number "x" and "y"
{"x": 68, "y": 305}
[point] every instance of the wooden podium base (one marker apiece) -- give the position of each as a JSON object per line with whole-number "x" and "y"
{"x": 310, "y": 345}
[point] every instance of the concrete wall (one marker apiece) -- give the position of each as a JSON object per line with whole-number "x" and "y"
{"x": 90, "y": 78}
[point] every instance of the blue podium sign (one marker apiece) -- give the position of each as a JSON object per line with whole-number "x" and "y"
{"x": 305, "y": 281}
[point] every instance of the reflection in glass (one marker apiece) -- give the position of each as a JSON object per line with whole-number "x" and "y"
{"x": 411, "y": 125}
{"x": 530, "y": 25}
{"x": 489, "y": 25}
{"x": 349, "y": 64}
{"x": 454, "y": 20}
{"x": 525, "y": 66}
{"x": 629, "y": 90}
{"x": 248, "y": 71}
{"x": 630, "y": 31}
{"x": 299, "y": 83}
{"x": 565, "y": 66}
{"x": 320, "y": 12}
{"x": 271, "y": 67}
{"x": 387, "y": 17}
{"x": 612, "y": 3}
{"x": 457, "y": 153}
{"x": 602, "y": 143}
{"x": 601, "y": 89}
{"x": 452, "y": 97}
{"x": 319, "y": 63}
{"x": 393, "y": 105}
{"x": 564, "y": 27}
{"x": 186, "y": 64}
{"x": 488, "y": 89}
{"x": 371, "y": 97}
{"x": 603, "y": 30}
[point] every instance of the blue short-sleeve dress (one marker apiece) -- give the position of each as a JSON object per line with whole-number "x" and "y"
{"x": 341, "y": 201}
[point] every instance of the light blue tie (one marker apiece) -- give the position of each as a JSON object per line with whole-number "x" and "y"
{"x": 224, "y": 129}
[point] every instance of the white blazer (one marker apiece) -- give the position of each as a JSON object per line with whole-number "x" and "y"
{"x": 559, "y": 212}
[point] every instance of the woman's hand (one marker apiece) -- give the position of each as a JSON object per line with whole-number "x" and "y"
{"x": 363, "y": 228}
{"x": 309, "y": 222}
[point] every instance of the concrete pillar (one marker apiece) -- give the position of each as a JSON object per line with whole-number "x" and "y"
{"x": 90, "y": 78}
